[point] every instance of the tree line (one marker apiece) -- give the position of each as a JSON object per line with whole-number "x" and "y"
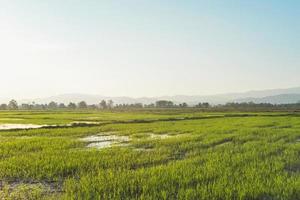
{"x": 104, "y": 104}
{"x": 109, "y": 104}
{"x": 13, "y": 105}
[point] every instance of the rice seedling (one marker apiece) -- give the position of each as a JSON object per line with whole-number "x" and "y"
{"x": 167, "y": 156}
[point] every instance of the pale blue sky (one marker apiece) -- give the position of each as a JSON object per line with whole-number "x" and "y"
{"x": 147, "y": 48}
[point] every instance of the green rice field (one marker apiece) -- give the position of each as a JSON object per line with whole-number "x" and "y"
{"x": 149, "y": 154}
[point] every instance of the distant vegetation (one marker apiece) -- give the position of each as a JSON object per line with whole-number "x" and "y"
{"x": 109, "y": 105}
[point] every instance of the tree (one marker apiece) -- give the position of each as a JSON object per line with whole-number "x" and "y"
{"x": 110, "y": 104}
{"x": 82, "y": 105}
{"x": 62, "y": 106}
{"x": 52, "y": 105}
{"x": 40, "y": 106}
{"x": 205, "y": 105}
{"x": 138, "y": 105}
{"x": 92, "y": 107}
{"x": 103, "y": 104}
{"x": 72, "y": 106}
{"x": 183, "y": 105}
{"x": 151, "y": 105}
{"x": 164, "y": 104}
{"x": 26, "y": 106}
{"x": 3, "y": 107}
{"x": 13, "y": 105}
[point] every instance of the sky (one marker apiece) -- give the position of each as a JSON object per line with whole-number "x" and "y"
{"x": 147, "y": 47}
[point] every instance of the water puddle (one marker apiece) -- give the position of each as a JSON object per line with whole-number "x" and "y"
{"x": 36, "y": 126}
{"x": 159, "y": 136}
{"x": 20, "y": 126}
{"x": 100, "y": 144}
{"x": 143, "y": 149}
{"x": 111, "y": 139}
{"x": 105, "y": 141}
{"x": 84, "y": 122}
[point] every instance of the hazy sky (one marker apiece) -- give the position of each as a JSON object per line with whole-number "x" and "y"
{"x": 147, "y": 47}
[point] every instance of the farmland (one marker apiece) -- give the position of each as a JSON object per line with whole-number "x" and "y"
{"x": 150, "y": 154}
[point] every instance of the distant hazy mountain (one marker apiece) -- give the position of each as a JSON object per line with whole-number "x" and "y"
{"x": 95, "y": 99}
{"x": 277, "y": 99}
{"x": 290, "y": 95}
{"x": 272, "y": 92}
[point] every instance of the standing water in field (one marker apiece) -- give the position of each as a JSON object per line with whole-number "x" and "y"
{"x": 19, "y": 126}
{"x": 35, "y": 126}
{"x": 104, "y": 141}
{"x": 158, "y": 136}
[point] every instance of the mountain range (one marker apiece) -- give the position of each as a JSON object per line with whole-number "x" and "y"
{"x": 274, "y": 96}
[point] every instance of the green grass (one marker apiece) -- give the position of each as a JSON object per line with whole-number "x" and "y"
{"x": 207, "y": 156}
